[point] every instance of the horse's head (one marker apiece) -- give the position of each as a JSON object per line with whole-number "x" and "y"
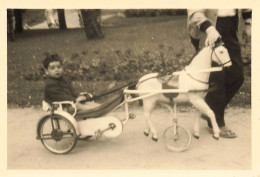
{"x": 220, "y": 55}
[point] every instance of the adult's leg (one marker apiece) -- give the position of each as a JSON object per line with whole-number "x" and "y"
{"x": 232, "y": 86}
{"x": 232, "y": 78}
{"x": 227, "y": 88}
{"x": 216, "y": 99}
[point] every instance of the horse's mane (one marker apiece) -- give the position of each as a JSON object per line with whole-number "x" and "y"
{"x": 197, "y": 52}
{"x": 217, "y": 43}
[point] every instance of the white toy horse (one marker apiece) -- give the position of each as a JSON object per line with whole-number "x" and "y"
{"x": 194, "y": 77}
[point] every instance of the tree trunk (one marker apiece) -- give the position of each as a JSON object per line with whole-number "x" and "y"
{"x": 61, "y": 17}
{"x": 18, "y": 20}
{"x": 91, "y": 20}
{"x": 10, "y": 25}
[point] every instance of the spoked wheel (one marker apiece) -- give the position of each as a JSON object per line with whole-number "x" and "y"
{"x": 57, "y": 134}
{"x": 177, "y": 138}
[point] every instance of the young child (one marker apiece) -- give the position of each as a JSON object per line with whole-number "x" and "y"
{"x": 58, "y": 87}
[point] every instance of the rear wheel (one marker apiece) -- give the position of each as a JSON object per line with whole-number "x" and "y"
{"x": 57, "y": 134}
{"x": 177, "y": 138}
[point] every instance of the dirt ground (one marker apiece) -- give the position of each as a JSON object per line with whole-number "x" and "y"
{"x": 132, "y": 150}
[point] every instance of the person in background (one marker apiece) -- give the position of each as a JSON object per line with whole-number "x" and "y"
{"x": 221, "y": 24}
{"x": 50, "y": 18}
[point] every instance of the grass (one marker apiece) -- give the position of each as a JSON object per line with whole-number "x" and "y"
{"x": 165, "y": 37}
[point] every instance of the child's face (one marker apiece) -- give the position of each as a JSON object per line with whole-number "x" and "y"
{"x": 54, "y": 69}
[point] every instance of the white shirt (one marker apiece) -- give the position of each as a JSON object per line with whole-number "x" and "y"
{"x": 226, "y": 12}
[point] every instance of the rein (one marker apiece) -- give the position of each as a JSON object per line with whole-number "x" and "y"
{"x": 131, "y": 84}
{"x": 213, "y": 69}
{"x": 200, "y": 81}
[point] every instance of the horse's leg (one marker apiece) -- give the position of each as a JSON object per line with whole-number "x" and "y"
{"x": 201, "y": 105}
{"x": 147, "y": 113}
{"x": 148, "y": 106}
{"x": 197, "y": 127}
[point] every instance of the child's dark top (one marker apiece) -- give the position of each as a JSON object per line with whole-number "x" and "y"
{"x": 59, "y": 90}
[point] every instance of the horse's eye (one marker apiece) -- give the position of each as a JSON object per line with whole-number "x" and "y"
{"x": 221, "y": 52}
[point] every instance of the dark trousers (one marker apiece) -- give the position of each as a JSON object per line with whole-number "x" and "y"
{"x": 230, "y": 80}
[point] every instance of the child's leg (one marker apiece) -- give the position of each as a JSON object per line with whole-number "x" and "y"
{"x": 86, "y": 106}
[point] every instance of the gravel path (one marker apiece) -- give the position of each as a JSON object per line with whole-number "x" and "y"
{"x": 132, "y": 150}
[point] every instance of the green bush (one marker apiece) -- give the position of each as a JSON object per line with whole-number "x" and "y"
{"x": 123, "y": 65}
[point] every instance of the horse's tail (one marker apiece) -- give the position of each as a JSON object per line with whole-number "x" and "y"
{"x": 133, "y": 87}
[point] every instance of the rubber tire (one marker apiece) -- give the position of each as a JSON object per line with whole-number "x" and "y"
{"x": 168, "y": 135}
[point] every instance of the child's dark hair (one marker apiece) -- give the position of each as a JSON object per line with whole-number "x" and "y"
{"x": 51, "y": 58}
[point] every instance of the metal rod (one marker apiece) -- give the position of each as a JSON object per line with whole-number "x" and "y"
{"x": 126, "y": 109}
{"x": 214, "y": 69}
{"x": 175, "y": 111}
{"x": 140, "y": 97}
{"x": 156, "y": 91}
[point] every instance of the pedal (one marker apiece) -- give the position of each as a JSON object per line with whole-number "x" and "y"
{"x": 111, "y": 126}
{"x": 132, "y": 116}
{"x": 99, "y": 132}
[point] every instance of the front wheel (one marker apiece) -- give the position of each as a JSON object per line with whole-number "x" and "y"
{"x": 177, "y": 138}
{"x": 57, "y": 134}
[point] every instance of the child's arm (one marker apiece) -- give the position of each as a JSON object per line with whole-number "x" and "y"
{"x": 80, "y": 99}
{"x": 83, "y": 97}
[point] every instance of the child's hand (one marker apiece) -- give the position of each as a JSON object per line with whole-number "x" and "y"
{"x": 81, "y": 99}
{"x": 88, "y": 96}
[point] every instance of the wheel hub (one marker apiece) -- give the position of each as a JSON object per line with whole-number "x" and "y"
{"x": 57, "y": 134}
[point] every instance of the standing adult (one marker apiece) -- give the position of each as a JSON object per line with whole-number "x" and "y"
{"x": 216, "y": 24}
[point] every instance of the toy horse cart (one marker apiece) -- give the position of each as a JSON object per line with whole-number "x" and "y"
{"x": 62, "y": 127}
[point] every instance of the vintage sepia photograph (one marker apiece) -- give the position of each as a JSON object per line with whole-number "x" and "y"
{"x": 138, "y": 88}
{"x": 129, "y": 89}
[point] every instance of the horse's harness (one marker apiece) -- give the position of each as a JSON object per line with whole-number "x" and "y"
{"x": 219, "y": 61}
{"x": 213, "y": 51}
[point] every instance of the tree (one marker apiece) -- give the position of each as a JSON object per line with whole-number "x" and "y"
{"x": 10, "y": 24}
{"x": 92, "y": 23}
{"x": 18, "y": 20}
{"x": 61, "y": 17}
